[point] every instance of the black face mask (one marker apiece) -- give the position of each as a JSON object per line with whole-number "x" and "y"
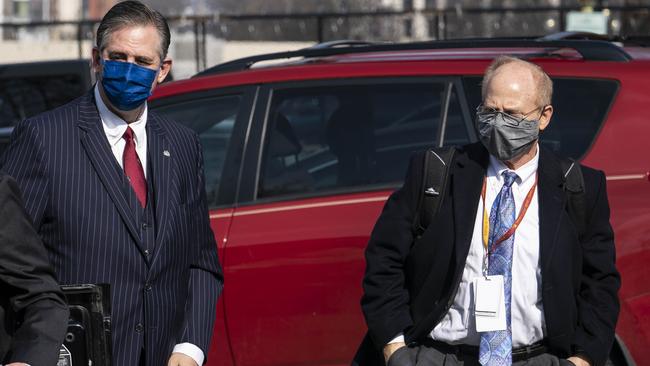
{"x": 506, "y": 137}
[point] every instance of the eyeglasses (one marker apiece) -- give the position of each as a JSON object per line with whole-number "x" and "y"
{"x": 511, "y": 118}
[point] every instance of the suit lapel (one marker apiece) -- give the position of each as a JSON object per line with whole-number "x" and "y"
{"x": 467, "y": 179}
{"x": 552, "y": 201}
{"x": 93, "y": 140}
{"x": 161, "y": 160}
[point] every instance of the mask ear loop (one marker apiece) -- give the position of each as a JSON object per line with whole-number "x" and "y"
{"x": 158, "y": 74}
{"x": 162, "y": 62}
{"x": 541, "y": 111}
{"x": 100, "y": 59}
{"x": 540, "y": 132}
{"x": 99, "y": 76}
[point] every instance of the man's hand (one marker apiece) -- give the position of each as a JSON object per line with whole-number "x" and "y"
{"x": 390, "y": 348}
{"x": 180, "y": 359}
{"x": 578, "y": 361}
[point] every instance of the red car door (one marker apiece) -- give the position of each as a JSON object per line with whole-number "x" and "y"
{"x": 327, "y": 157}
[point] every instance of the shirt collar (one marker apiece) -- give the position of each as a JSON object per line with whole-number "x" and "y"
{"x": 524, "y": 172}
{"x": 114, "y": 126}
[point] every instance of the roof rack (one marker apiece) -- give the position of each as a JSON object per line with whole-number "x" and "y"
{"x": 585, "y": 36}
{"x": 591, "y": 50}
{"x": 628, "y": 40}
{"x": 340, "y": 43}
{"x": 640, "y": 41}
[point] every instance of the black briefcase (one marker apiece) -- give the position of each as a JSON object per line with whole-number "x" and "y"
{"x": 88, "y": 340}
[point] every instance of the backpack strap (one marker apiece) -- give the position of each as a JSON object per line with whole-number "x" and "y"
{"x": 574, "y": 187}
{"x": 433, "y": 187}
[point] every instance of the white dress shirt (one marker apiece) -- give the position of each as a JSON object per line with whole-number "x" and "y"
{"x": 114, "y": 128}
{"x": 458, "y": 325}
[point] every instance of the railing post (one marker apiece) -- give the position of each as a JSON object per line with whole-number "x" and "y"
{"x": 443, "y": 15}
{"x": 197, "y": 51}
{"x": 204, "y": 58}
{"x": 80, "y": 39}
{"x": 319, "y": 28}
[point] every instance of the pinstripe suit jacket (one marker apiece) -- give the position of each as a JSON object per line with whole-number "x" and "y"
{"x": 73, "y": 189}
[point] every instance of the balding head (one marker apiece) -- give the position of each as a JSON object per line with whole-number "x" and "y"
{"x": 518, "y": 88}
{"x": 522, "y": 91}
{"x": 511, "y": 68}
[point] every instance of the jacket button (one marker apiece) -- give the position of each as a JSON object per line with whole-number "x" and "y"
{"x": 147, "y": 286}
{"x": 146, "y": 252}
{"x": 139, "y": 328}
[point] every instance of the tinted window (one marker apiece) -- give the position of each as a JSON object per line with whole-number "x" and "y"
{"x": 5, "y": 136}
{"x": 580, "y": 107}
{"x": 25, "y": 97}
{"x": 213, "y": 119}
{"x": 351, "y": 137}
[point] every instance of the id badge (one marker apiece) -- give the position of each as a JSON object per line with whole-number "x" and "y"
{"x": 489, "y": 303}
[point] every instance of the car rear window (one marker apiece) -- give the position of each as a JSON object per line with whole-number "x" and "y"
{"x": 353, "y": 137}
{"x": 24, "y": 97}
{"x": 580, "y": 108}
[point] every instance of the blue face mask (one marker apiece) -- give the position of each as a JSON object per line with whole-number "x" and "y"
{"x": 127, "y": 85}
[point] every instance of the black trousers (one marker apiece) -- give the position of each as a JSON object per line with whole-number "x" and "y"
{"x": 430, "y": 356}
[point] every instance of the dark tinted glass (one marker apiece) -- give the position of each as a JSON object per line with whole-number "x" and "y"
{"x": 213, "y": 120}
{"x": 25, "y": 97}
{"x": 339, "y": 138}
{"x": 5, "y": 136}
{"x": 580, "y": 107}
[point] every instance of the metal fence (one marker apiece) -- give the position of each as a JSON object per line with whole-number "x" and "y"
{"x": 440, "y": 23}
{"x": 457, "y": 22}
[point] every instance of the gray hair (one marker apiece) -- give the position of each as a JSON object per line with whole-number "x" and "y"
{"x": 133, "y": 13}
{"x": 544, "y": 82}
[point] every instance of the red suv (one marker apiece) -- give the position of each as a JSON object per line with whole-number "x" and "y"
{"x": 301, "y": 155}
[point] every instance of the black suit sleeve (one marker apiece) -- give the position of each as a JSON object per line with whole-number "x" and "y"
{"x": 33, "y": 293}
{"x": 24, "y": 161}
{"x": 598, "y": 304}
{"x": 385, "y": 302}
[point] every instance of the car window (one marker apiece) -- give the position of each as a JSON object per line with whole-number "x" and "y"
{"x": 24, "y": 97}
{"x": 352, "y": 137}
{"x": 213, "y": 119}
{"x": 5, "y": 137}
{"x": 579, "y": 109}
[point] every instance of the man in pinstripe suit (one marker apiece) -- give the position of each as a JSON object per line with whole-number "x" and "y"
{"x": 117, "y": 194}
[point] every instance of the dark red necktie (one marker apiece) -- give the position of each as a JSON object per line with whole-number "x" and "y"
{"x": 133, "y": 168}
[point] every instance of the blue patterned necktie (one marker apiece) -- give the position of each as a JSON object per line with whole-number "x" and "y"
{"x": 496, "y": 346}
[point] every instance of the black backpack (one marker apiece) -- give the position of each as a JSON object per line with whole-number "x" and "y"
{"x": 436, "y": 178}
